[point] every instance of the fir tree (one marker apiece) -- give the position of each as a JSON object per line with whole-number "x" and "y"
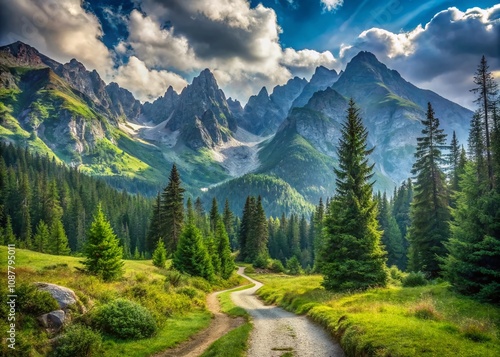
{"x": 454, "y": 161}
{"x": 58, "y": 243}
{"x": 352, "y": 255}
{"x": 191, "y": 256}
{"x": 430, "y": 212}
{"x": 223, "y": 250}
{"x": 391, "y": 238}
{"x": 228, "y": 219}
{"x": 486, "y": 90}
{"x": 160, "y": 254}
{"x": 246, "y": 227}
{"x": 172, "y": 211}
{"x": 155, "y": 224}
{"x": 318, "y": 220}
{"x": 102, "y": 251}
{"x": 214, "y": 214}
{"x": 9, "y": 236}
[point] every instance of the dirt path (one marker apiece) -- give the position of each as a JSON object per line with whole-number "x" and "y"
{"x": 277, "y": 331}
{"x": 219, "y": 326}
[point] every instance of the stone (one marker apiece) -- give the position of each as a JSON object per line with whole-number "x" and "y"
{"x": 53, "y": 321}
{"x": 61, "y": 294}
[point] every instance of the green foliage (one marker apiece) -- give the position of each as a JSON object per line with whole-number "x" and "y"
{"x": 78, "y": 340}
{"x": 125, "y": 319}
{"x": 41, "y": 238}
{"x": 223, "y": 250}
{"x": 102, "y": 251}
{"x": 414, "y": 279}
{"x": 293, "y": 266}
{"x": 191, "y": 256}
{"x": 277, "y": 266}
{"x": 33, "y": 301}
{"x": 172, "y": 211}
{"x": 58, "y": 244}
{"x": 430, "y": 212}
{"x": 160, "y": 255}
{"x": 254, "y": 234}
{"x": 262, "y": 261}
{"x": 352, "y": 257}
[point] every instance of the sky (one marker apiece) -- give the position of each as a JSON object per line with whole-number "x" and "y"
{"x": 148, "y": 45}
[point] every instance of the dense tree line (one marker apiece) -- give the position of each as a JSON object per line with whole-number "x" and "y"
{"x": 49, "y": 207}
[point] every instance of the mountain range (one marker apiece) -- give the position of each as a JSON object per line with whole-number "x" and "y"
{"x": 281, "y": 145}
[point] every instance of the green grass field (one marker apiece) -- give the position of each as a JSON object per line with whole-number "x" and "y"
{"x": 178, "y": 315}
{"x": 395, "y": 321}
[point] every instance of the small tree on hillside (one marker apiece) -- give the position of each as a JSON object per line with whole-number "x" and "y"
{"x": 102, "y": 250}
{"x": 160, "y": 254}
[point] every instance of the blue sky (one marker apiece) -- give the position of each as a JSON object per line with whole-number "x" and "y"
{"x": 147, "y": 45}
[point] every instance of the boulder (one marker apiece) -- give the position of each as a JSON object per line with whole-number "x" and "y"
{"x": 53, "y": 321}
{"x": 61, "y": 294}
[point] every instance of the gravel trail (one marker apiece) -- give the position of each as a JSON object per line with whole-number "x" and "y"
{"x": 277, "y": 331}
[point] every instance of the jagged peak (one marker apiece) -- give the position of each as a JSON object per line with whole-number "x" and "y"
{"x": 263, "y": 92}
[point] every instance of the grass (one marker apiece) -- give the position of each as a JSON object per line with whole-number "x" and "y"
{"x": 234, "y": 343}
{"x": 178, "y": 314}
{"x": 420, "y": 321}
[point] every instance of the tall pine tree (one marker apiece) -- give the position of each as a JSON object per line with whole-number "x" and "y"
{"x": 352, "y": 255}
{"x": 172, "y": 211}
{"x": 430, "y": 212}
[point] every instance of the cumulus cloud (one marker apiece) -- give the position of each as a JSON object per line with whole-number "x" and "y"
{"x": 441, "y": 56}
{"x": 239, "y": 43}
{"x": 331, "y": 5}
{"x": 62, "y": 29}
{"x": 147, "y": 84}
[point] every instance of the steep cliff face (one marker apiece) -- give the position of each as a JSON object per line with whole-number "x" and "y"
{"x": 161, "y": 108}
{"x": 321, "y": 79}
{"x": 202, "y": 114}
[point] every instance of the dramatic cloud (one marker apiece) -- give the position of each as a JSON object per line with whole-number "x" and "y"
{"x": 147, "y": 84}
{"x": 441, "y": 56}
{"x": 331, "y": 5}
{"x": 240, "y": 44}
{"x": 62, "y": 29}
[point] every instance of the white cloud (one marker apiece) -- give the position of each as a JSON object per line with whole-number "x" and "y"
{"x": 332, "y": 5}
{"x": 441, "y": 56}
{"x": 147, "y": 84}
{"x": 61, "y": 29}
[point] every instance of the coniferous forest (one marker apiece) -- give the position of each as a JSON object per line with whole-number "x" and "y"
{"x": 442, "y": 222}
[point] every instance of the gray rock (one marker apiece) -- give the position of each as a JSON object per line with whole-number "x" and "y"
{"x": 61, "y": 294}
{"x": 54, "y": 320}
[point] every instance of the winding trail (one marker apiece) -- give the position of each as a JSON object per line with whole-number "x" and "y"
{"x": 220, "y": 325}
{"x": 277, "y": 331}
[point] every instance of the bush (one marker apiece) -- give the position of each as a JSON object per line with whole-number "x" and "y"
{"x": 261, "y": 261}
{"x": 174, "y": 278}
{"x": 414, "y": 279}
{"x": 34, "y": 301}
{"x": 79, "y": 340}
{"x": 425, "y": 310}
{"x": 125, "y": 319}
{"x": 476, "y": 330}
{"x": 277, "y": 266}
{"x": 293, "y": 266}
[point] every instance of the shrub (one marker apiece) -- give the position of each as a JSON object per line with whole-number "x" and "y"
{"x": 201, "y": 284}
{"x": 261, "y": 261}
{"x": 125, "y": 319}
{"x": 293, "y": 266}
{"x": 188, "y": 291}
{"x": 160, "y": 254}
{"x": 415, "y": 279}
{"x": 277, "y": 266}
{"x": 79, "y": 340}
{"x": 34, "y": 301}
{"x": 476, "y": 330}
{"x": 425, "y": 310}
{"x": 174, "y": 278}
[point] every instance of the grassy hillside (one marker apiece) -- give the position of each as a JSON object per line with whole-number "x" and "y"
{"x": 420, "y": 321}
{"x": 176, "y": 301}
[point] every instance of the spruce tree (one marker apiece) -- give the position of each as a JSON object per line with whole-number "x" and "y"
{"x": 58, "y": 243}
{"x": 246, "y": 227}
{"x": 454, "y": 161}
{"x": 224, "y": 250}
{"x": 160, "y": 254}
{"x": 9, "y": 236}
{"x": 352, "y": 257}
{"x": 318, "y": 220}
{"x": 102, "y": 251}
{"x": 391, "y": 238}
{"x": 41, "y": 238}
{"x": 172, "y": 211}
{"x": 191, "y": 256}
{"x": 486, "y": 89}
{"x": 155, "y": 224}
{"x": 430, "y": 212}
{"x": 228, "y": 219}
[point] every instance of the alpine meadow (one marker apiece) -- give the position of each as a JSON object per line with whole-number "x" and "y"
{"x": 249, "y": 178}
